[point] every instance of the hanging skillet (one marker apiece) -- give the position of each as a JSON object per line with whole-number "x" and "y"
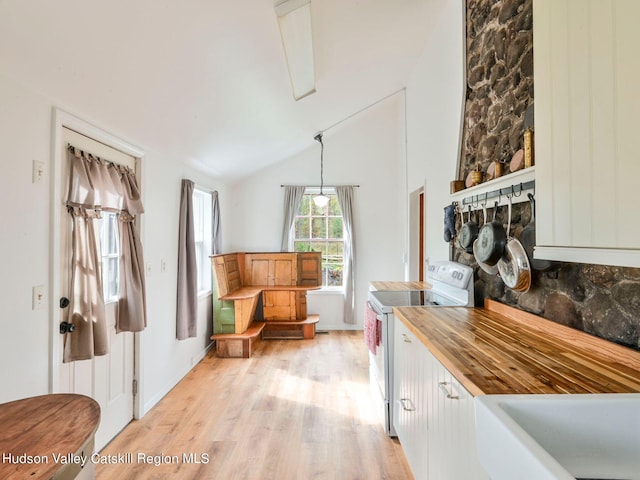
{"x": 528, "y": 239}
{"x": 491, "y": 242}
{"x": 468, "y": 233}
{"x": 514, "y": 266}
{"x": 490, "y": 269}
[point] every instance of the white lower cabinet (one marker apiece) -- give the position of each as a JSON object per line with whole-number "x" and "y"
{"x": 411, "y": 368}
{"x": 434, "y": 415}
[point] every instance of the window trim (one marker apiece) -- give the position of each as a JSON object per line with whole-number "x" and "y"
{"x": 334, "y": 289}
{"x": 208, "y": 240}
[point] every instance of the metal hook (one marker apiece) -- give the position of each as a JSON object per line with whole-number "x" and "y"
{"x": 519, "y": 191}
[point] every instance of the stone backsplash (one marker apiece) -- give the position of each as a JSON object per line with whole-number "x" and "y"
{"x": 601, "y": 300}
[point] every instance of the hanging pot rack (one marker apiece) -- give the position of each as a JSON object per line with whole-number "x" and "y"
{"x": 515, "y": 190}
{"x": 498, "y": 189}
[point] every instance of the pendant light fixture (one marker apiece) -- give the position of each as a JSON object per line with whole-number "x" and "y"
{"x": 321, "y": 199}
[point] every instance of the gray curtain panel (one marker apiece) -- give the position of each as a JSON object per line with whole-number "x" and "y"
{"x": 95, "y": 185}
{"x": 346, "y": 198}
{"x": 216, "y": 243}
{"x": 292, "y": 198}
{"x": 187, "y": 302}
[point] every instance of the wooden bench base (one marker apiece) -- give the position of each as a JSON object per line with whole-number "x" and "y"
{"x": 238, "y": 345}
{"x": 296, "y": 329}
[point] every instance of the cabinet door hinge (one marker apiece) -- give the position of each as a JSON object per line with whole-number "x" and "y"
{"x": 134, "y": 387}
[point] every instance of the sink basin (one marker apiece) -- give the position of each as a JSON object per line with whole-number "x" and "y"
{"x": 559, "y": 437}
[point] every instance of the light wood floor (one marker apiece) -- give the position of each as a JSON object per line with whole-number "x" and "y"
{"x": 298, "y": 409}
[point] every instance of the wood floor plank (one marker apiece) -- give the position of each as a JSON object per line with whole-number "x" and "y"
{"x": 296, "y": 409}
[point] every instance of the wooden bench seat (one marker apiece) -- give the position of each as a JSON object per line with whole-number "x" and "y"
{"x": 243, "y": 293}
{"x": 238, "y": 345}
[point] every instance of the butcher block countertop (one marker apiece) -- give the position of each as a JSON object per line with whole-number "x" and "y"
{"x": 399, "y": 286}
{"x": 40, "y": 436}
{"x": 502, "y": 350}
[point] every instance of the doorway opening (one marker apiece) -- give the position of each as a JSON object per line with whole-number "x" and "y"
{"x": 417, "y": 260}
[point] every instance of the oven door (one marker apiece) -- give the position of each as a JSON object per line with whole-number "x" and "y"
{"x": 381, "y": 372}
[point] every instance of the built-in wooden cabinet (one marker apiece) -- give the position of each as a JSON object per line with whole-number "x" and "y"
{"x": 587, "y": 105}
{"x": 434, "y": 416}
{"x": 265, "y": 286}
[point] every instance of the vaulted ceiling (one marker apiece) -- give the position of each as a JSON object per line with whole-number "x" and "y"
{"x": 206, "y": 81}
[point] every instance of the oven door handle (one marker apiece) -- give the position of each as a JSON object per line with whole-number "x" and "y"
{"x": 379, "y": 315}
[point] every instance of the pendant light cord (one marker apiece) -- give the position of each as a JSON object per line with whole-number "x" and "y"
{"x": 318, "y": 137}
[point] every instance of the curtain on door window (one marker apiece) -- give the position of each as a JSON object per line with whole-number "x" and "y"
{"x": 96, "y": 185}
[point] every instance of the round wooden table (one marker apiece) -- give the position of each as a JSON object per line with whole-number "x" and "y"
{"x": 49, "y": 436}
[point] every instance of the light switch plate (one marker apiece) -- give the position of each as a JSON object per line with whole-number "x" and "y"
{"x": 38, "y": 171}
{"x": 38, "y": 297}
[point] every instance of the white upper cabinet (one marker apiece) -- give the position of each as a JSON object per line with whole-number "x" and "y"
{"x": 587, "y": 130}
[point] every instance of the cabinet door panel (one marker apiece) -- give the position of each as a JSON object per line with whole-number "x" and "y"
{"x": 278, "y": 305}
{"x": 587, "y": 104}
{"x": 283, "y": 272}
{"x": 259, "y": 271}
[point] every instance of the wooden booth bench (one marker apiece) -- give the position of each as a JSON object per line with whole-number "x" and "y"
{"x": 262, "y": 295}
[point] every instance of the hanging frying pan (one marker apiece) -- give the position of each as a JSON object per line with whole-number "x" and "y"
{"x": 490, "y": 269}
{"x": 491, "y": 241}
{"x": 514, "y": 266}
{"x": 528, "y": 239}
{"x": 468, "y": 233}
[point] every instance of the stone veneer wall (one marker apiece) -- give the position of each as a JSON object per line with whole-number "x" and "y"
{"x": 601, "y": 300}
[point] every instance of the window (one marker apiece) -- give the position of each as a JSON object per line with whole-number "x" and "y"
{"x": 109, "y": 246}
{"x": 320, "y": 229}
{"x": 202, "y": 230}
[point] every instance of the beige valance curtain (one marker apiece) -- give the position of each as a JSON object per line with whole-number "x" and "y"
{"x": 96, "y": 185}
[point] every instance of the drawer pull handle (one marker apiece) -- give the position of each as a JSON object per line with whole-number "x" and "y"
{"x": 405, "y": 338}
{"x": 406, "y": 401}
{"x": 448, "y": 391}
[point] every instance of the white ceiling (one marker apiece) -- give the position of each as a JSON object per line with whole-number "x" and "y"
{"x": 206, "y": 80}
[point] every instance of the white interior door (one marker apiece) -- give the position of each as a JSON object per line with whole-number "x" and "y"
{"x": 108, "y": 379}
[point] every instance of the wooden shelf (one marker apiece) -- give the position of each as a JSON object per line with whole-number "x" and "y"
{"x": 295, "y": 329}
{"x": 238, "y": 345}
{"x": 504, "y": 182}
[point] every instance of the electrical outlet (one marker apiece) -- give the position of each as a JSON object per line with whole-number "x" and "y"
{"x": 38, "y": 297}
{"x": 149, "y": 268}
{"x": 163, "y": 265}
{"x": 38, "y": 171}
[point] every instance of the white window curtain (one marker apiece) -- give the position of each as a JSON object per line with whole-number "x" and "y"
{"x": 292, "y": 197}
{"x": 215, "y": 221}
{"x": 187, "y": 296}
{"x": 96, "y": 185}
{"x": 345, "y": 196}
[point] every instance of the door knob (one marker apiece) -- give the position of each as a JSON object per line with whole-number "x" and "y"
{"x": 66, "y": 327}
{"x": 64, "y": 302}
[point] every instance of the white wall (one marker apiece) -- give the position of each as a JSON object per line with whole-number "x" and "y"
{"x": 25, "y": 135}
{"x": 366, "y": 150}
{"x": 434, "y": 114}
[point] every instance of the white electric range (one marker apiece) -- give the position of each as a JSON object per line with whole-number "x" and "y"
{"x": 451, "y": 285}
